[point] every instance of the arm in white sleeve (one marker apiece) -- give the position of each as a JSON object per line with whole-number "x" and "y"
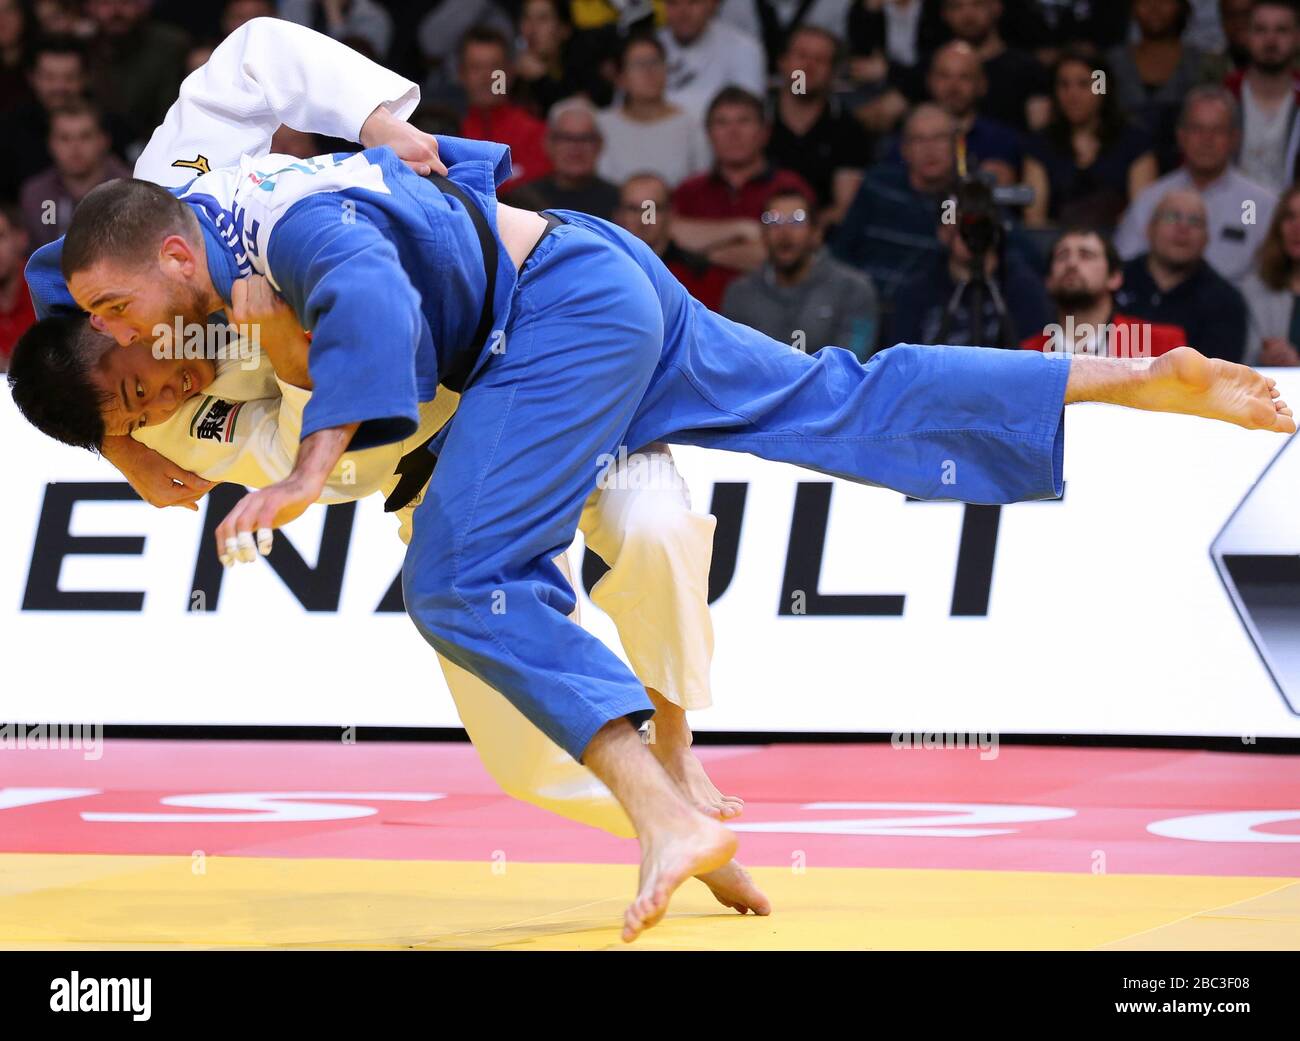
{"x": 268, "y": 72}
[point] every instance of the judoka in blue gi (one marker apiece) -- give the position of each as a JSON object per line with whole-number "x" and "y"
{"x": 575, "y": 341}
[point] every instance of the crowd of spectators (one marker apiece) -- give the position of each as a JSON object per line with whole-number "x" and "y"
{"x": 800, "y": 165}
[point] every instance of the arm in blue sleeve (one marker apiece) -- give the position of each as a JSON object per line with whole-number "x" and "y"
{"x": 44, "y": 276}
{"x": 347, "y": 286}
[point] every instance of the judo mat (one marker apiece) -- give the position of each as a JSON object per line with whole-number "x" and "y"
{"x": 168, "y": 844}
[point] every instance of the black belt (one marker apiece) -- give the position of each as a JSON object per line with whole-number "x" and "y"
{"x": 416, "y": 467}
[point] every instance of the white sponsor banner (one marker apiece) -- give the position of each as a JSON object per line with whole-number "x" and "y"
{"x": 1112, "y": 611}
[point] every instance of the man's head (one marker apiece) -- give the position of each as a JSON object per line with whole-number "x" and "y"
{"x": 12, "y": 21}
{"x": 1086, "y": 270}
{"x": 57, "y": 72}
{"x": 1177, "y": 232}
{"x": 13, "y": 243}
{"x": 644, "y": 209}
{"x": 737, "y": 127}
{"x": 1209, "y": 131}
{"x": 686, "y": 19}
{"x": 77, "y": 386}
{"x": 1162, "y": 19}
{"x": 117, "y": 17}
{"x": 1235, "y": 17}
{"x": 237, "y": 12}
{"x": 1273, "y": 36}
{"x": 134, "y": 259}
{"x": 484, "y": 66}
{"x": 573, "y": 140}
{"x": 956, "y": 78}
{"x": 78, "y": 141}
{"x": 972, "y": 20}
{"x": 643, "y": 69}
{"x": 790, "y": 230}
{"x": 812, "y": 51}
{"x": 929, "y": 147}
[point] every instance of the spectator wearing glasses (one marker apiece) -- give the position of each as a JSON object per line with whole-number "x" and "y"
{"x": 1238, "y": 208}
{"x": 801, "y": 295}
{"x": 717, "y": 213}
{"x": 1272, "y": 289}
{"x": 573, "y": 144}
{"x": 1172, "y": 284}
{"x": 645, "y": 209}
{"x": 645, "y": 133}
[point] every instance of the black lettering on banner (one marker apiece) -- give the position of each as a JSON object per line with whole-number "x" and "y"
{"x": 54, "y": 543}
{"x": 317, "y": 588}
{"x": 803, "y": 563}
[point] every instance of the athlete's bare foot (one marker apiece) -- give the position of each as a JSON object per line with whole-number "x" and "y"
{"x": 688, "y": 774}
{"x": 734, "y": 888}
{"x": 695, "y": 846}
{"x": 1186, "y": 382}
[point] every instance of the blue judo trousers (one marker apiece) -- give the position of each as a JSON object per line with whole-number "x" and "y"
{"x": 604, "y": 348}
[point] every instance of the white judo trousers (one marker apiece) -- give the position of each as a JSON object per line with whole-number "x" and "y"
{"x": 270, "y": 72}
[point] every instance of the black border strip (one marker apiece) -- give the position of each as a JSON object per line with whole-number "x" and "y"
{"x": 205, "y": 732}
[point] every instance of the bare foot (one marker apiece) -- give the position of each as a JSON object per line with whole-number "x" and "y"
{"x": 734, "y": 888}
{"x": 1187, "y": 382}
{"x": 688, "y": 773}
{"x": 697, "y": 846}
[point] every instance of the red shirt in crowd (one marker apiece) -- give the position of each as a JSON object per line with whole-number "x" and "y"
{"x": 1130, "y": 338}
{"x": 512, "y": 125}
{"x": 16, "y": 316}
{"x": 704, "y": 281}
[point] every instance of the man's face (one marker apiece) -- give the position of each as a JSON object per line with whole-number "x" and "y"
{"x": 116, "y": 17}
{"x": 134, "y": 303}
{"x": 644, "y": 74}
{"x": 77, "y": 145}
{"x": 1207, "y": 138}
{"x": 481, "y": 69}
{"x": 1235, "y": 16}
{"x": 13, "y": 247}
{"x": 1178, "y": 230}
{"x": 737, "y": 133}
{"x": 812, "y": 54}
{"x": 971, "y": 20}
{"x": 57, "y": 79}
{"x": 643, "y": 210}
{"x": 142, "y": 390}
{"x": 929, "y": 149}
{"x": 1158, "y": 19}
{"x": 573, "y": 143}
{"x": 1079, "y": 276}
{"x": 956, "y": 79}
{"x": 1271, "y": 39}
{"x": 788, "y": 232}
{"x": 686, "y": 19}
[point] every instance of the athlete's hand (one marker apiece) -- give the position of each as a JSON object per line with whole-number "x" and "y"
{"x": 157, "y": 480}
{"x": 415, "y": 148}
{"x": 279, "y": 332}
{"x": 246, "y": 531}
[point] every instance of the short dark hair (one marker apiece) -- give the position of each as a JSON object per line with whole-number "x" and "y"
{"x": 1113, "y": 260}
{"x": 50, "y": 379}
{"x": 125, "y": 219}
{"x": 81, "y": 108}
{"x": 734, "y": 95}
{"x": 483, "y": 34}
{"x": 639, "y": 38}
{"x": 56, "y": 44}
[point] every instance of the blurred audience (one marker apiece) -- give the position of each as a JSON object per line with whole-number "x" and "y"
{"x": 1089, "y": 160}
{"x": 645, "y": 209}
{"x": 573, "y": 143}
{"x": 542, "y": 75}
{"x": 1017, "y": 83}
{"x": 347, "y": 20}
{"x": 15, "y": 35}
{"x": 1086, "y": 273}
{"x": 889, "y": 229}
{"x": 645, "y": 133}
{"x": 16, "y": 313}
{"x": 1272, "y": 289}
{"x": 811, "y": 135}
{"x": 1172, "y": 284}
{"x": 1239, "y": 209}
{"x": 801, "y": 295}
{"x": 717, "y": 213}
{"x": 706, "y": 54}
{"x": 1267, "y": 90}
{"x": 136, "y": 64}
{"x": 485, "y": 70}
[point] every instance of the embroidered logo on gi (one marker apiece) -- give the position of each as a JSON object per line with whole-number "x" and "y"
{"x": 199, "y": 163}
{"x": 215, "y": 420}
